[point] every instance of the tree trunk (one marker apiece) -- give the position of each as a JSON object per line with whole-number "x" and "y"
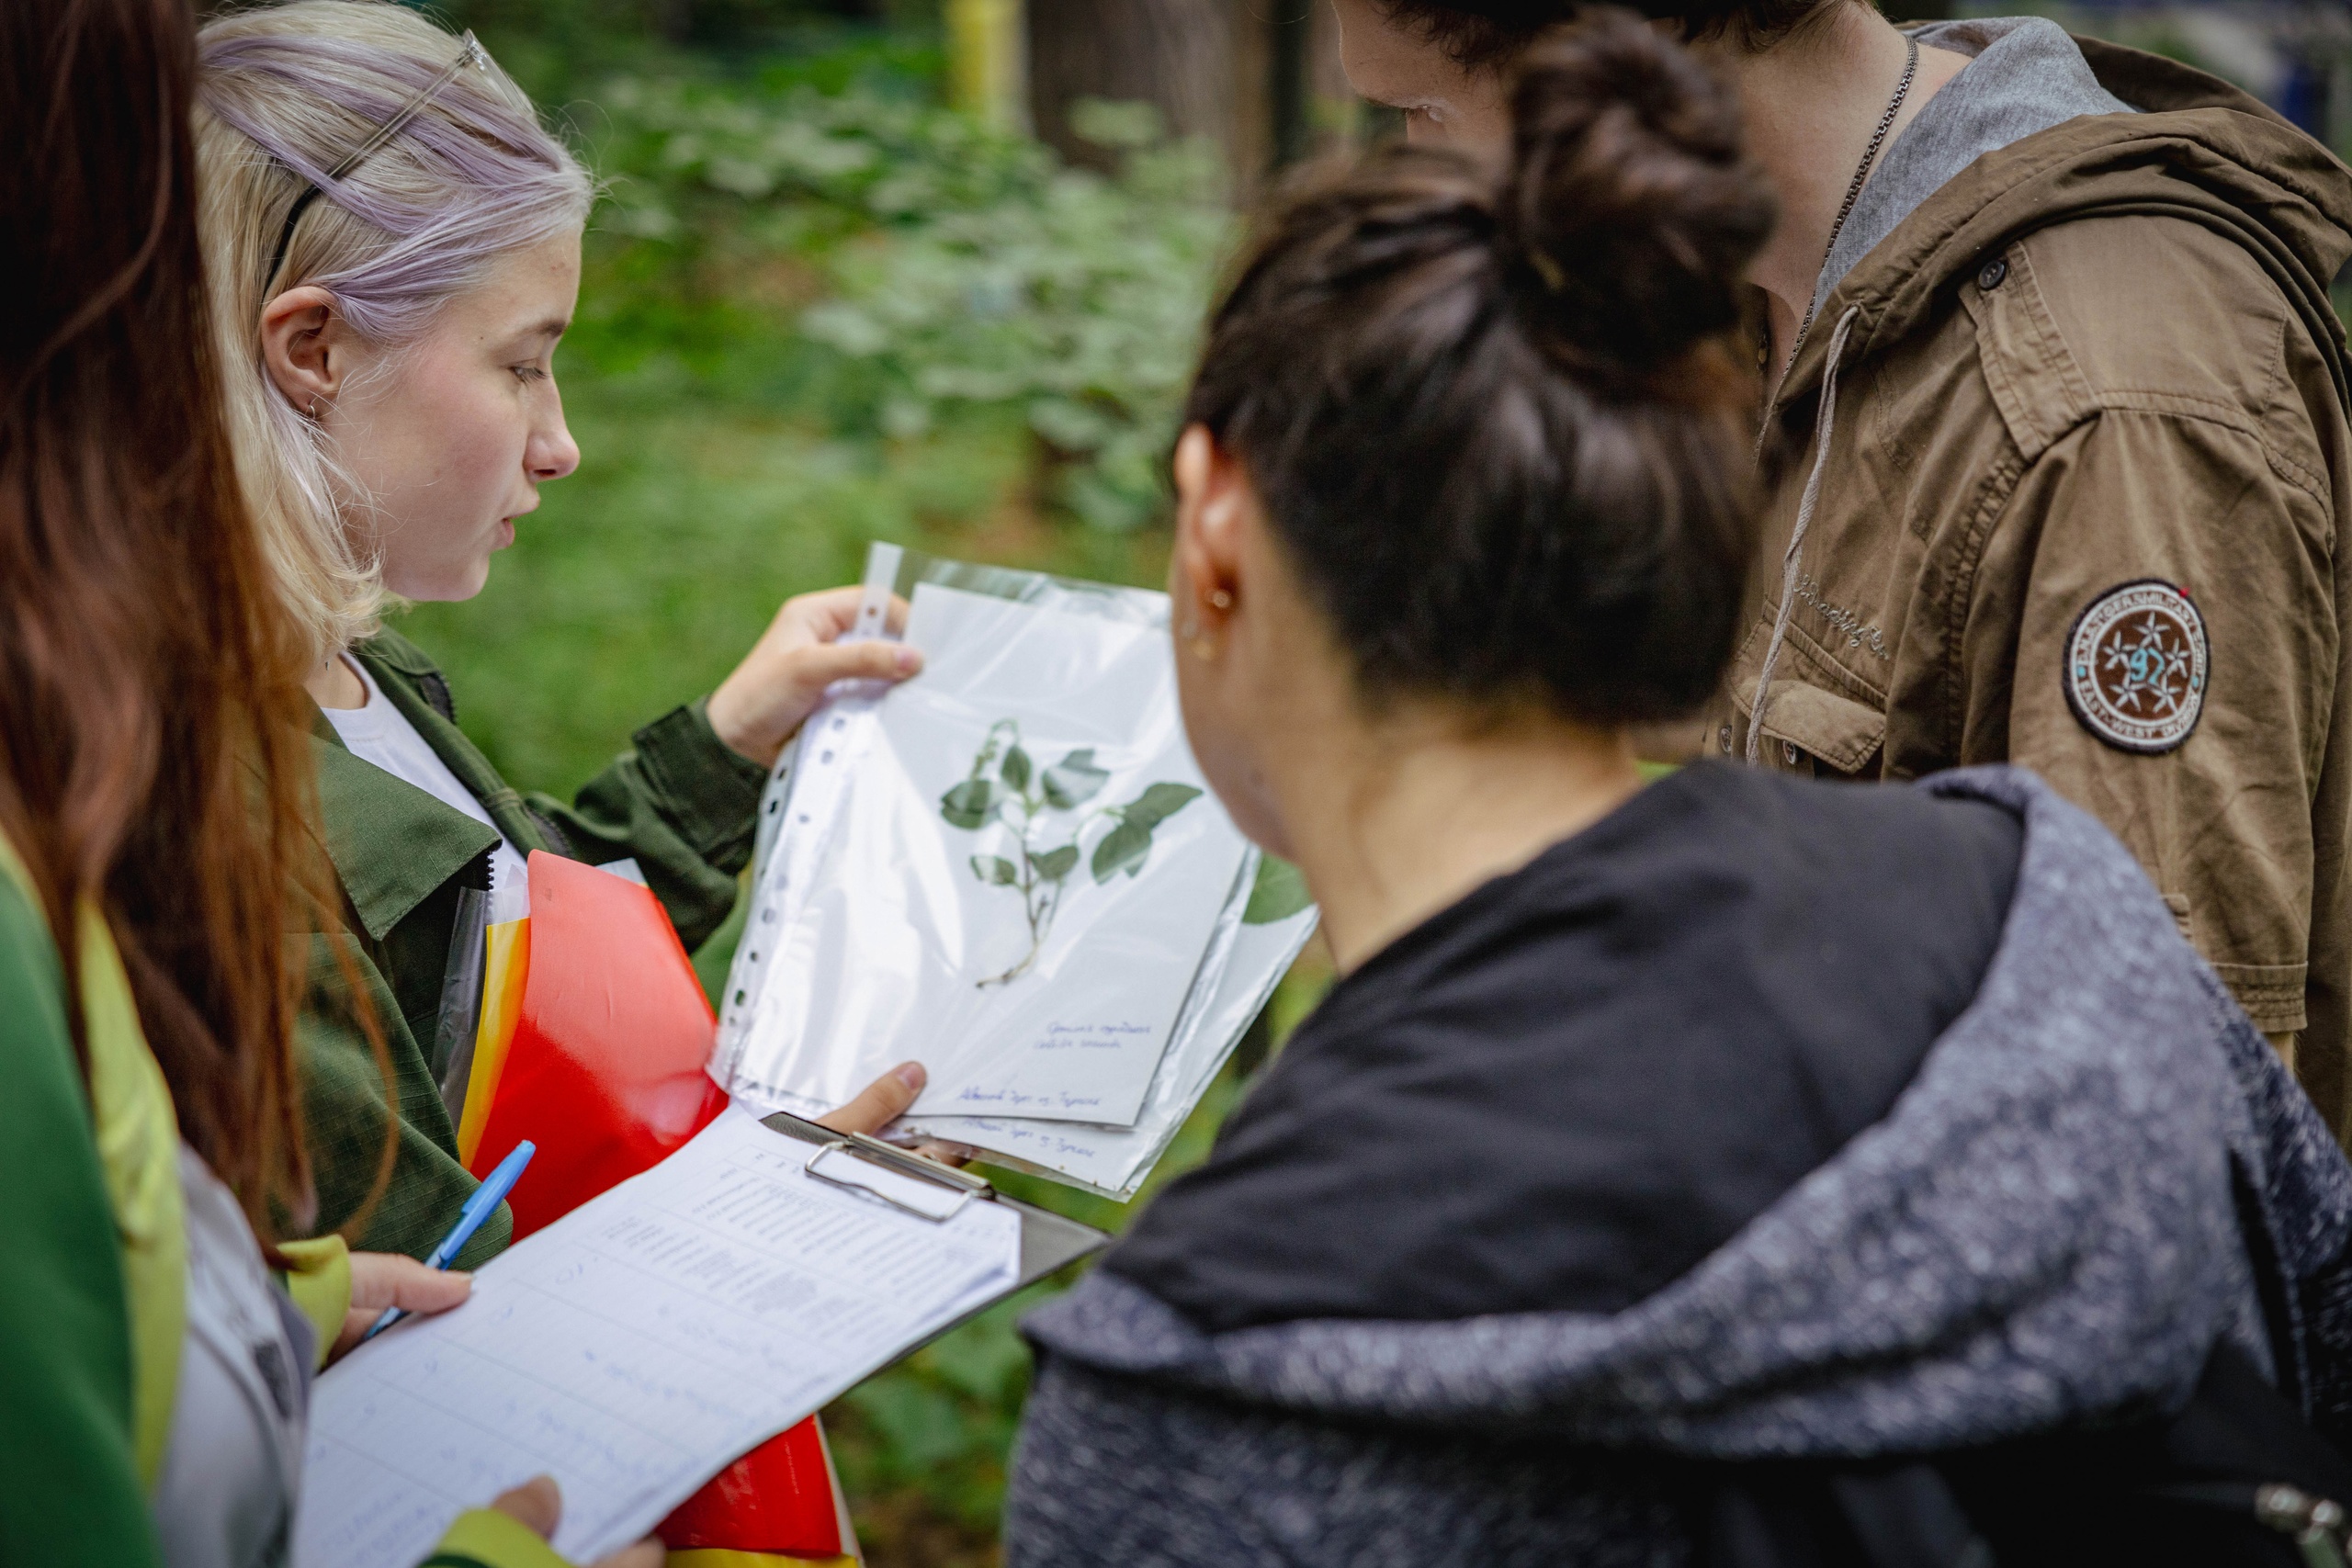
{"x": 1177, "y": 55}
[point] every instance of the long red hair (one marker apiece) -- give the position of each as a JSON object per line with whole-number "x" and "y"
{"x": 154, "y": 760}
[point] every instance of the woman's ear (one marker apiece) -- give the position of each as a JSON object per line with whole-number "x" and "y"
{"x": 306, "y": 348}
{"x": 1213, "y": 505}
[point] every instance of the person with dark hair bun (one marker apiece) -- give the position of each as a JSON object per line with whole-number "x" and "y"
{"x": 1646, "y": 1126}
{"x": 2049, "y": 327}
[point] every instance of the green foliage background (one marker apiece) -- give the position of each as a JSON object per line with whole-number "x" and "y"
{"x": 818, "y": 309}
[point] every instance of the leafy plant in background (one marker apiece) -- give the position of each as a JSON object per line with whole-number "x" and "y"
{"x": 919, "y": 270}
{"x": 1005, "y": 786}
{"x": 1080, "y": 304}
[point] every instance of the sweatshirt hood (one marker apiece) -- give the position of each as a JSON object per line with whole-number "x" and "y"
{"x": 2199, "y": 149}
{"x": 2046, "y": 1228}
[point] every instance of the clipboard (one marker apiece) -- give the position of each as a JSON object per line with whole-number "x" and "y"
{"x": 627, "y": 1345}
{"x": 1050, "y": 1242}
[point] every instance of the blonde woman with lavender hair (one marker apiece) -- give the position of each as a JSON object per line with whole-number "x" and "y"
{"x": 392, "y": 241}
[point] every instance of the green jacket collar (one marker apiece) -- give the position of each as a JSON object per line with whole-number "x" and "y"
{"x": 413, "y": 682}
{"x": 392, "y": 844}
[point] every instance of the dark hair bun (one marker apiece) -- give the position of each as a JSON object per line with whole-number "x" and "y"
{"x": 1629, "y": 207}
{"x": 1498, "y": 423}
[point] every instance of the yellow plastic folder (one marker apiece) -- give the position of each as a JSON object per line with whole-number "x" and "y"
{"x": 506, "y": 965}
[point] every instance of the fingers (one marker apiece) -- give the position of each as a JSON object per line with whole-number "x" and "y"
{"x": 818, "y": 666}
{"x": 646, "y": 1553}
{"x": 831, "y": 612}
{"x": 822, "y": 615}
{"x": 882, "y": 1101}
{"x": 946, "y": 1153}
{"x": 380, "y": 1279}
{"x": 537, "y": 1505}
{"x": 772, "y": 691}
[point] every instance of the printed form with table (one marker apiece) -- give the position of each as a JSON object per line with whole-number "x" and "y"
{"x": 1008, "y": 870}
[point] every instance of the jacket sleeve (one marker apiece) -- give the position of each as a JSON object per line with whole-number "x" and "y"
{"x": 485, "y": 1537}
{"x": 2222, "y": 820}
{"x": 73, "y": 1492}
{"x": 317, "y": 1279}
{"x": 343, "y": 1109}
{"x": 679, "y": 801}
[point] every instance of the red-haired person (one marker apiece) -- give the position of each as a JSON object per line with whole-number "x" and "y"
{"x": 155, "y": 1347}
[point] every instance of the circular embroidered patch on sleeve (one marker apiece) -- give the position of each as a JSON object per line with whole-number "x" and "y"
{"x": 2136, "y": 664}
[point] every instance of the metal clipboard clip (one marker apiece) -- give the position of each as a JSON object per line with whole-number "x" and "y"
{"x": 961, "y": 1186}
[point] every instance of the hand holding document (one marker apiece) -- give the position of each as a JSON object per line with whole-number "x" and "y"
{"x": 1013, "y": 871}
{"x": 636, "y": 1346}
{"x": 1015, "y": 882}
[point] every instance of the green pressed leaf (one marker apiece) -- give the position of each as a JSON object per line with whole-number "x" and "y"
{"x": 1124, "y": 848}
{"x": 968, "y": 804}
{"x": 1158, "y": 804}
{"x": 1015, "y": 772}
{"x": 1054, "y": 864}
{"x": 995, "y": 869}
{"x": 1278, "y": 894}
{"x": 1074, "y": 780}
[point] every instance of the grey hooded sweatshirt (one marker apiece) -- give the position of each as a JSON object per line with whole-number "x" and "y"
{"x": 2044, "y": 1230}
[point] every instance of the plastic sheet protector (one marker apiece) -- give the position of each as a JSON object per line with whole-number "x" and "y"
{"x": 634, "y": 1348}
{"x": 1009, "y": 869}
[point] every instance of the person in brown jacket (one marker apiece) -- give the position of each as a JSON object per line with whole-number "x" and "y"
{"x": 2063, "y": 403}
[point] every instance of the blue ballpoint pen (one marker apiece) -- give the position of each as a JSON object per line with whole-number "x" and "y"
{"x": 485, "y": 1200}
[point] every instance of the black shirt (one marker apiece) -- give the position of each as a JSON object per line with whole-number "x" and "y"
{"x": 1564, "y": 1091}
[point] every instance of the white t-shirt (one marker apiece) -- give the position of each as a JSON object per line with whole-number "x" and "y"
{"x": 381, "y": 734}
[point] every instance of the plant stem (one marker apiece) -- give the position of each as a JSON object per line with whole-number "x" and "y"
{"x": 1039, "y": 918}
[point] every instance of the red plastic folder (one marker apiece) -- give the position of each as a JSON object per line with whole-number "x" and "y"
{"x": 776, "y": 1500}
{"x": 606, "y": 1071}
{"x": 605, "y": 1075}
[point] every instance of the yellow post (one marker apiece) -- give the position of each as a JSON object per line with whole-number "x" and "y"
{"x": 988, "y": 61}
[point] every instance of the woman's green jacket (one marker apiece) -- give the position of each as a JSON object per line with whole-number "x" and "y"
{"x": 679, "y": 803}
{"x": 66, "y": 1439}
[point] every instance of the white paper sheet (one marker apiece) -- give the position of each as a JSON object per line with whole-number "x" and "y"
{"x": 916, "y": 936}
{"x": 634, "y": 1348}
{"x": 1113, "y": 1161}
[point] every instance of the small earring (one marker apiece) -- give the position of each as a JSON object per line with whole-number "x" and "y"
{"x": 1204, "y": 650}
{"x": 314, "y": 407}
{"x": 1219, "y": 599}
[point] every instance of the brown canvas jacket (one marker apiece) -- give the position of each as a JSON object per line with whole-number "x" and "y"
{"x": 2103, "y": 355}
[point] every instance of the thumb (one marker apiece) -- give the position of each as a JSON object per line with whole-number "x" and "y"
{"x": 880, "y": 1103}
{"x": 536, "y": 1505}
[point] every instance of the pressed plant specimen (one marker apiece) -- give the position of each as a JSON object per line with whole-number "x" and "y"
{"x": 1047, "y": 810}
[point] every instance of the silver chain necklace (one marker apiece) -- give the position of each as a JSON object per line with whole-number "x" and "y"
{"x": 1854, "y": 191}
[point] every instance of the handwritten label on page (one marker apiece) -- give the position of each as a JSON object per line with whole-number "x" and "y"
{"x": 1114, "y": 1160}
{"x": 634, "y": 1348}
